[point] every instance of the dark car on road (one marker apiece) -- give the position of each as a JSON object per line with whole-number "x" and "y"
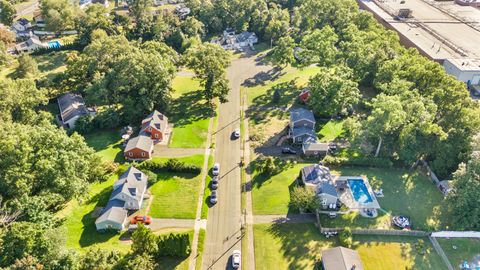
{"x": 213, "y": 197}
{"x": 214, "y": 184}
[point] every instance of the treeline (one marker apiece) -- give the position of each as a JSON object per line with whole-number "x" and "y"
{"x": 417, "y": 112}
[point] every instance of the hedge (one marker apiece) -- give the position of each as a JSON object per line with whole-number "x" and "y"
{"x": 358, "y": 161}
{"x": 172, "y": 165}
{"x": 65, "y": 47}
{"x": 175, "y": 245}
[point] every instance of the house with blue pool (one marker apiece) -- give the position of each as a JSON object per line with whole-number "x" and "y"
{"x": 334, "y": 190}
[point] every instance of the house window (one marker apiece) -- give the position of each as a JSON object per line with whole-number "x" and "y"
{"x": 143, "y": 154}
{"x": 156, "y": 135}
{"x": 150, "y": 129}
{"x": 130, "y": 154}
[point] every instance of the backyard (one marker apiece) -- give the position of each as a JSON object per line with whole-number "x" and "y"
{"x": 107, "y": 144}
{"x": 459, "y": 250}
{"x": 299, "y": 246}
{"x": 412, "y": 195}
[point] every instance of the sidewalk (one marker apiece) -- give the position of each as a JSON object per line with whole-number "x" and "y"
{"x": 201, "y": 223}
{"x": 248, "y": 190}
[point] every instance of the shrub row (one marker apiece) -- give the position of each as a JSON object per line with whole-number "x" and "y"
{"x": 358, "y": 161}
{"x": 175, "y": 245}
{"x": 65, "y": 47}
{"x": 172, "y": 165}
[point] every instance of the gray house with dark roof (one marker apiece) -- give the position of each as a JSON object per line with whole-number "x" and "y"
{"x": 72, "y": 107}
{"x": 340, "y": 258}
{"x": 302, "y": 125}
{"x": 127, "y": 195}
{"x": 327, "y": 193}
{"x": 313, "y": 174}
{"x": 113, "y": 217}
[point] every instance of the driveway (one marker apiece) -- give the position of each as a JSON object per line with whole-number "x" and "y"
{"x": 224, "y": 223}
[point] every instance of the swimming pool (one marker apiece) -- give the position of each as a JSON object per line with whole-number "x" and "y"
{"x": 360, "y": 191}
{"x": 54, "y": 44}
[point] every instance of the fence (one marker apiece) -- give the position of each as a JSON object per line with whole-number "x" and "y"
{"x": 456, "y": 234}
{"x": 378, "y": 232}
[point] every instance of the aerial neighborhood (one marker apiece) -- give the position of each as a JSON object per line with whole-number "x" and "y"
{"x": 233, "y": 134}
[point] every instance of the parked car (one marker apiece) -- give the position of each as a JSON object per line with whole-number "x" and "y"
{"x": 215, "y": 182}
{"x": 141, "y": 219}
{"x": 289, "y": 151}
{"x": 213, "y": 197}
{"x": 216, "y": 169}
{"x": 236, "y": 133}
{"x": 236, "y": 259}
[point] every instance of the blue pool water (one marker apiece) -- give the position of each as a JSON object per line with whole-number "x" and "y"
{"x": 54, "y": 44}
{"x": 359, "y": 191}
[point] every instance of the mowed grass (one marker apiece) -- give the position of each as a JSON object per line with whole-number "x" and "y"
{"x": 107, "y": 144}
{"x": 299, "y": 246}
{"x": 395, "y": 252}
{"x": 459, "y": 250}
{"x": 80, "y": 224}
{"x": 271, "y": 195}
{"x": 288, "y": 246}
{"x": 299, "y": 76}
{"x": 405, "y": 194}
{"x": 330, "y": 130}
{"x": 190, "y": 114}
{"x": 176, "y": 195}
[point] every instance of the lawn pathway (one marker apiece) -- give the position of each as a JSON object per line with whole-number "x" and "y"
{"x": 199, "y": 223}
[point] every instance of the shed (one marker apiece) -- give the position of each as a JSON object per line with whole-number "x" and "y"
{"x": 340, "y": 258}
{"x": 311, "y": 148}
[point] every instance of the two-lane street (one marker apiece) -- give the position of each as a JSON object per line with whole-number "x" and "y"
{"x": 225, "y": 218}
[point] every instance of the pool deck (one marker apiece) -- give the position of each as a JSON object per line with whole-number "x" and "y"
{"x": 346, "y": 196}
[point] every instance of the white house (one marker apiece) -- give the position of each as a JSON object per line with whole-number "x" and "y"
{"x": 30, "y": 45}
{"x": 128, "y": 194}
{"x": 71, "y": 108}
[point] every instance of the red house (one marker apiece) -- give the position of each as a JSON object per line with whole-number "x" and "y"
{"x": 304, "y": 95}
{"x": 155, "y": 126}
{"x": 139, "y": 148}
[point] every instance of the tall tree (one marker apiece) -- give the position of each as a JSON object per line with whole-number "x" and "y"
{"x": 141, "y": 12}
{"x": 59, "y": 14}
{"x": 7, "y": 12}
{"x": 95, "y": 17}
{"x": 319, "y": 47}
{"x": 27, "y": 67}
{"x": 332, "y": 91}
{"x": 282, "y": 53}
{"x": 144, "y": 241}
{"x": 463, "y": 200}
{"x": 209, "y": 62}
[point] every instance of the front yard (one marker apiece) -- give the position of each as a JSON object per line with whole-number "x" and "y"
{"x": 189, "y": 114}
{"x": 176, "y": 195}
{"x": 299, "y": 246}
{"x": 412, "y": 195}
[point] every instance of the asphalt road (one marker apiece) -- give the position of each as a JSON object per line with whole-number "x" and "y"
{"x": 225, "y": 219}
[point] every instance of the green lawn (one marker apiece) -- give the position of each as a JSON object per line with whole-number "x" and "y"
{"x": 261, "y": 94}
{"x": 299, "y": 246}
{"x": 330, "y": 130}
{"x": 288, "y": 246}
{"x": 176, "y": 195}
{"x": 190, "y": 114}
{"x": 413, "y": 195}
{"x": 80, "y": 225}
{"x": 395, "y": 252}
{"x": 271, "y": 195}
{"x": 459, "y": 250}
{"x": 107, "y": 144}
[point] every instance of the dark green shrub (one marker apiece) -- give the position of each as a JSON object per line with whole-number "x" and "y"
{"x": 358, "y": 161}
{"x": 172, "y": 165}
{"x": 175, "y": 245}
{"x": 345, "y": 237}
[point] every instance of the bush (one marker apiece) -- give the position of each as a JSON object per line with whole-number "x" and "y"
{"x": 175, "y": 245}
{"x": 345, "y": 237}
{"x": 358, "y": 161}
{"x": 303, "y": 199}
{"x": 152, "y": 177}
{"x": 172, "y": 165}
{"x": 107, "y": 119}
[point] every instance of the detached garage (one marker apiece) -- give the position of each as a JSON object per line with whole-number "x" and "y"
{"x": 113, "y": 217}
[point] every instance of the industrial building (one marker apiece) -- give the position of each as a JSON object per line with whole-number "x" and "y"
{"x": 443, "y": 31}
